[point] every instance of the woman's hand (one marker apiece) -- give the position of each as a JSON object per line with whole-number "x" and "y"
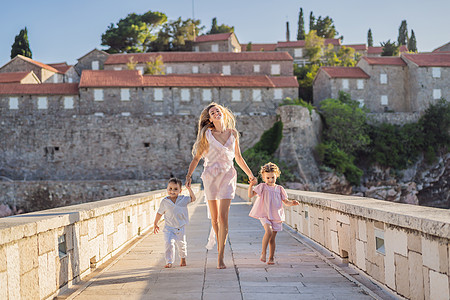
{"x": 252, "y": 180}
{"x": 188, "y": 181}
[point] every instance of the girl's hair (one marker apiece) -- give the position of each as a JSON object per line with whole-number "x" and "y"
{"x": 176, "y": 181}
{"x": 270, "y": 167}
{"x": 201, "y": 144}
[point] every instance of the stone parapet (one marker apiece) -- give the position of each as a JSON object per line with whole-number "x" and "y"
{"x": 48, "y": 251}
{"x": 404, "y": 247}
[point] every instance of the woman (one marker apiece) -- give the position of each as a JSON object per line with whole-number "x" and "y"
{"x": 218, "y": 144}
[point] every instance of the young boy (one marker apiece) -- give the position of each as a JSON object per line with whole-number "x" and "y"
{"x": 174, "y": 206}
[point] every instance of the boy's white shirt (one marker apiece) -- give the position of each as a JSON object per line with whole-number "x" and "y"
{"x": 175, "y": 214}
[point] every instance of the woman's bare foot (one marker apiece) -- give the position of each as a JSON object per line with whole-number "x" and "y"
{"x": 183, "y": 262}
{"x": 263, "y": 257}
{"x": 270, "y": 262}
{"x": 221, "y": 265}
{"x": 168, "y": 266}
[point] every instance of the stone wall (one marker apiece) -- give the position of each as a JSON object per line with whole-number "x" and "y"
{"x": 20, "y": 65}
{"x": 401, "y": 246}
{"x": 46, "y": 252}
{"x": 397, "y": 118}
{"x": 28, "y": 107}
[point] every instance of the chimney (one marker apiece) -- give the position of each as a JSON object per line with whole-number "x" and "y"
{"x": 287, "y": 32}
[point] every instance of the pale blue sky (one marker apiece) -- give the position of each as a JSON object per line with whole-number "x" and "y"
{"x": 66, "y": 30}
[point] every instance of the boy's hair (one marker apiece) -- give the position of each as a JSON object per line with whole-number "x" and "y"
{"x": 176, "y": 181}
{"x": 270, "y": 167}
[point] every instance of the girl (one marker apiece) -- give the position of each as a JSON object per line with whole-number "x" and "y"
{"x": 218, "y": 144}
{"x": 268, "y": 207}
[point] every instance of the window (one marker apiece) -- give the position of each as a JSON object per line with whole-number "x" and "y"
{"x": 125, "y": 114}
{"x": 196, "y": 49}
{"x": 125, "y": 94}
{"x": 55, "y": 78}
{"x": 379, "y": 241}
{"x": 436, "y": 72}
{"x": 278, "y": 94}
{"x": 207, "y": 95}
{"x": 361, "y": 102}
{"x": 275, "y": 69}
{"x": 360, "y": 84}
{"x": 99, "y": 114}
{"x": 384, "y": 100}
{"x": 62, "y": 245}
{"x": 345, "y": 84}
{"x": 383, "y": 78}
{"x": 169, "y": 70}
{"x": 184, "y": 113}
{"x": 68, "y": 102}
{"x": 42, "y": 103}
{"x": 194, "y": 69}
{"x": 98, "y": 95}
{"x": 70, "y": 80}
{"x": 256, "y": 68}
{"x": 185, "y": 95}
{"x": 236, "y": 95}
{"x": 437, "y": 94}
{"x": 13, "y": 103}
{"x": 257, "y": 95}
{"x": 95, "y": 65}
{"x": 158, "y": 113}
{"x": 117, "y": 68}
{"x": 158, "y": 94}
{"x": 226, "y": 70}
{"x": 298, "y": 52}
{"x": 215, "y": 48}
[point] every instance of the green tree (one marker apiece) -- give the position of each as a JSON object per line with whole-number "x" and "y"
{"x": 344, "y": 57}
{"x": 314, "y": 46}
{"x": 369, "y": 38}
{"x": 390, "y": 49}
{"x": 301, "y": 26}
{"x": 312, "y": 21}
{"x": 21, "y": 45}
{"x": 219, "y": 28}
{"x": 403, "y": 34}
{"x": 325, "y": 27}
{"x": 412, "y": 43}
{"x": 176, "y": 35}
{"x": 133, "y": 33}
{"x": 248, "y": 47}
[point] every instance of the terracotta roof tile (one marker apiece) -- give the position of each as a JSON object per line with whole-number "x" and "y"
{"x": 213, "y": 37}
{"x": 284, "y": 81}
{"x": 440, "y": 49}
{"x": 385, "y": 60}
{"x": 39, "y": 89}
{"x": 302, "y": 43}
{"x": 357, "y": 46}
{"x": 37, "y": 63}
{"x": 106, "y": 78}
{"x": 13, "y": 77}
{"x": 61, "y": 67}
{"x": 172, "y": 57}
{"x": 345, "y": 72}
{"x": 259, "y": 47}
{"x": 429, "y": 60}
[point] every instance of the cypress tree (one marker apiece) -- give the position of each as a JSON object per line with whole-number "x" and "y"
{"x": 402, "y": 34}
{"x": 21, "y": 45}
{"x": 214, "y": 27}
{"x": 369, "y": 38}
{"x": 301, "y": 26}
{"x": 412, "y": 43}
{"x": 312, "y": 21}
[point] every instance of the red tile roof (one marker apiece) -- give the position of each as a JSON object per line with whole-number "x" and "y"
{"x": 357, "y": 47}
{"x": 13, "y": 77}
{"x": 37, "y": 63}
{"x": 259, "y": 47}
{"x": 302, "y": 43}
{"x": 39, "y": 89}
{"x": 90, "y": 78}
{"x": 429, "y": 60}
{"x": 61, "y": 67}
{"x": 439, "y": 49}
{"x": 345, "y": 72}
{"x": 385, "y": 60}
{"x": 213, "y": 37}
{"x": 172, "y": 57}
{"x": 379, "y": 50}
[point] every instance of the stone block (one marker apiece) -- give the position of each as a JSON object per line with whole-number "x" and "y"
{"x": 376, "y": 271}
{"x": 362, "y": 231}
{"x": 334, "y": 242}
{"x": 28, "y": 251}
{"x": 443, "y": 258}
{"x": 361, "y": 255}
{"x": 344, "y": 239}
{"x": 426, "y": 282}
{"x": 396, "y": 240}
{"x": 4, "y": 283}
{"x": 353, "y": 238}
{"x": 84, "y": 254}
{"x": 108, "y": 224}
{"x": 402, "y": 275}
{"x": 439, "y": 286}
{"x": 84, "y": 227}
{"x": 333, "y": 221}
{"x": 343, "y": 218}
{"x": 92, "y": 228}
{"x": 3, "y": 267}
{"x": 389, "y": 269}
{"x": 430, "y": 253}
{"x": 379, "y": 225}
{"x": 415, "y": 275}
{"x": 13, "y": 273}
{"x": 29, "y": 285}
{"x": 414, "y": 242}
{"x": 100, "y": 226}
{"x": 47, "y": 241}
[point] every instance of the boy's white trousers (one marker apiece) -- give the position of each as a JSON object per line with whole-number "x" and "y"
{"x": 174, "y": 236}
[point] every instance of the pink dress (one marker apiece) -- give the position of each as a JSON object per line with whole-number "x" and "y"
{"x": 219, "y": 176}
{"x": 269, "y": 202}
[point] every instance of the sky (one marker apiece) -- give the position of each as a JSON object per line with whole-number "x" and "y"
{"x": 63, "y": 31}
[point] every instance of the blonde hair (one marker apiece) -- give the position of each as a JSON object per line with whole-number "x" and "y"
{"x": 269, "y": 168}
{"x": 201, "y": 144}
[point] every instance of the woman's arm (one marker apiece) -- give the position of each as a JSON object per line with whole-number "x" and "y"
{"x": 191, "y": 169}
{"x": 240, "y": 160}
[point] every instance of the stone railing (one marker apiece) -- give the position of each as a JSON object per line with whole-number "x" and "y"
{"x": 45, "y": 252}
{"x": 404, "y": 247}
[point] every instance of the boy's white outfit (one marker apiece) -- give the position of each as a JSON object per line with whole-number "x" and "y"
{"x": 176, "y": 216}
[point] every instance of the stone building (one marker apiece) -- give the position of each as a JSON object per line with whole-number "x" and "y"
{"x": 221, "y": 42}
{"x": 93, "y": 60}
{"x": 69, "y": 72}
{"x": 226, "y": 63}
{"x": 19, "y": 77}
{"x": 409, "y": 83}
{"x": 297, "y": 49}
{"x": 443, "y": 48}
{"x": 376, "y": 51}
{"x": 45, "y": 73}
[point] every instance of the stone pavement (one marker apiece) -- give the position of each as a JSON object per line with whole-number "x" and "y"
{"x": 299, "y": 272}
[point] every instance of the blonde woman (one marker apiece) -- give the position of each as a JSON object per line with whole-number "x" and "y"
{"x": 218, "y": 144}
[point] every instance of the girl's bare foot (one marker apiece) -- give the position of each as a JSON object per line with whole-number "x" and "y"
{"x": 183, "y": 262}
{"x": 270, "y": 262}
{"x": 168, "y": 266}
{"x": 263, "y": 257}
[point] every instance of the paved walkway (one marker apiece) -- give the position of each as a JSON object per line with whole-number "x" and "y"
{"x": 299, "y": 272}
